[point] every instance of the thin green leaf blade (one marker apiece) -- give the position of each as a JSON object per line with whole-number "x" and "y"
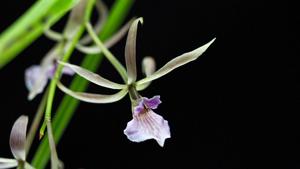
{"x": 30, "y": 26}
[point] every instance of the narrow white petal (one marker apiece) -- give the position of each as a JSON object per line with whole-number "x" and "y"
{"x": 93, "y": 98}
{"x": 18, "y": 138}
{"x": 177, "y": 62}
{"x": 130, "y": 51}
{"x": 8, "y": 163}
{"x": 92, "y": 77}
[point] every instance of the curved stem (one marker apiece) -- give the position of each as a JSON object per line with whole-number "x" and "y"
{"x": 120, "y": 68}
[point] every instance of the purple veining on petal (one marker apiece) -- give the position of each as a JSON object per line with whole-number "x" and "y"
{"x": 145, "y": 102}
{"x": 148, "y": 125}
{"x": 139, "y": 108}
{"x": 153, "y": 102}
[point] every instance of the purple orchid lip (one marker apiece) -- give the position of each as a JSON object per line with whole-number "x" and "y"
{"x": 146, "y": 103}
{"x": 146, "y": 124}
{"x": 153, "y": 102}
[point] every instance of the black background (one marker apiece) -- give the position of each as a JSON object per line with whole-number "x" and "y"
{"x": 234, "y": 107}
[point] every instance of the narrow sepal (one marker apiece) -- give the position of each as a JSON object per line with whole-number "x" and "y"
{"x": 177, "y": 62}
{"x": 94, "y": 98}
{"x": 130, "y": 51}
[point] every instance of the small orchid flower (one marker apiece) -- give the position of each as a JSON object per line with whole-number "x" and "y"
{"x": 17, "y": 143}
{"x": 37, "y": 76}
{"x": 146, "y": 124}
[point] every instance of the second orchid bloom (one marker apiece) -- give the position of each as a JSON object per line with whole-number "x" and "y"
{"x": 146, "y": 124}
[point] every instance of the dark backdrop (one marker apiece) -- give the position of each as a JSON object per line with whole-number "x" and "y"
{"x": 234, "y": 107}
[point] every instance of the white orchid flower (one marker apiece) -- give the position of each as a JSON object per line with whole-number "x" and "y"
{"x": 146, "y": 124}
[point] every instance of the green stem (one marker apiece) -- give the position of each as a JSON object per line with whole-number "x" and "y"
{"x": 74, "y": 28}
{"x": 120, "y": 68}
{"x": 69, "y": 48}
{"x": 68, "y": 105}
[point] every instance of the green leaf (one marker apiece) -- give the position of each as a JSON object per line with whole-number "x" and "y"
{"x": 30, "y": 26}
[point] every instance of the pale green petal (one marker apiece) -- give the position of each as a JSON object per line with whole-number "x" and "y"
{"x": 94, "y": 98}
{"x": 94, "y": 49}
{"x": 118, "y": 35}
{"x": 17, "y": 138}
{"x": 8, "y": 163}
{"x": 130, "y": 51}
{"x": 92, "y": 77}
{"x": 176, "y": 62}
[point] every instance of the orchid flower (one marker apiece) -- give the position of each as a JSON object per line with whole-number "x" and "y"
{"x": 146, "y": 124}
{"x": 37, "y": 76}
{"x": 17, "y": 143}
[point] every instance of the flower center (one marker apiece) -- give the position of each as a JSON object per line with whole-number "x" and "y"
{"x": 134, "y": 95}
